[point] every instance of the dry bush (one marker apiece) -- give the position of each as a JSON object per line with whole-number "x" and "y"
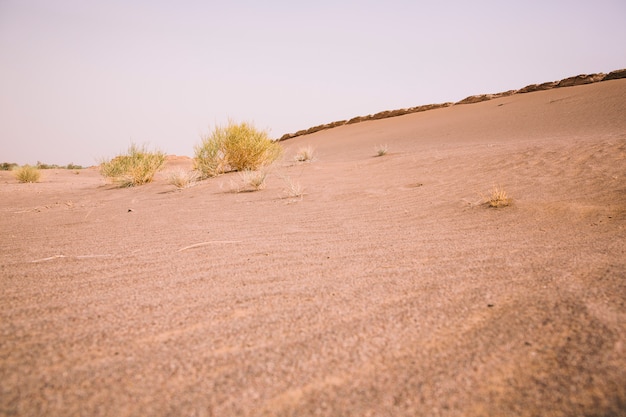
{"x": 381, "y": 150}
{"x": 305, "y": 154}
{"x": 235, "y": 147}
{"x": 183, "y": 179}
{"x": 137, "y": 167}
{"x": 27, "y": 173}
{"x": 498, "y": 198}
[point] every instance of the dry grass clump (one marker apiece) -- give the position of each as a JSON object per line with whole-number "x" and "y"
{"x": 498, "y": 198}
{"x": 137, "y": 167}
{"x": 381, "y": 150}
{"x": 249, "y": 181}
{"x": 254, "y": 179}
{"x": 27, "y": 173}
{"x": 305, "y": 154}
{"x": 292, "y": 188}
{"x": 235, "y": 147}
{"x": 183, "y": 179}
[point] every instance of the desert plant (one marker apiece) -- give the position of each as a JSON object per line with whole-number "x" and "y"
{"x": 498, "y": 198}
{"x": 183, "y": 179}
{"x": 292, "y": 189}
{"x": 137, "y": 167}
{"x": 305, "y": 154}
{"x": 27, "y": 173}
{"x": 41, "y": 165}
{"x": 255, "y": 180}
{"x": 381, "y": 150}
{"x": 210, "y": 159}
{"x": 8, "y": 166}
{"x": 235, "y": 147}
{"x": 249, "y": 181}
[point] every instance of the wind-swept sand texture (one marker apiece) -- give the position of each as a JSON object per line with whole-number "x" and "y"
{"x": 385, "y": 290}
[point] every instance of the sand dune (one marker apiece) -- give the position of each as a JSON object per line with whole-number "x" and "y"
{"x": 581, "y": 79}
{"x": 385, "y": 289}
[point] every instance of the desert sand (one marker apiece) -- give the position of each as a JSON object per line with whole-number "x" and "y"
{"x": 385, "y": 289}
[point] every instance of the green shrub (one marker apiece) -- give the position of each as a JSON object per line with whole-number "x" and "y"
{"x": 210, "y": 159}
{"x": 41, "y": 165}
{"x": 137, "y": 167}
{"x": 27, "y": 173}
{"x": 8, "y": 166}
{"x": 236, "y": 147}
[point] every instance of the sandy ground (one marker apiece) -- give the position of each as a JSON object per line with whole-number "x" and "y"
{"x": 386, "y": 289}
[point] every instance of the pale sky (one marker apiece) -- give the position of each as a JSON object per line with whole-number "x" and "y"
{"x": 81, "y": 80}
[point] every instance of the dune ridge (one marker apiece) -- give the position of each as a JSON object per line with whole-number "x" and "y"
{"x": 581, "y": 79}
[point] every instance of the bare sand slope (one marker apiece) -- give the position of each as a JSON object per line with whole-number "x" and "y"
{"x": 385, "y": 290}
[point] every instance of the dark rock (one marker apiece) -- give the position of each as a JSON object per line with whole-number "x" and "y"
{"x": 615, "y": 75}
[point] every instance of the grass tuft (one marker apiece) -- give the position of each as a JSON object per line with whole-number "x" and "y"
{"x": 498, "y": 198}
{"x": 381, "y": 150}
{"x": 183, "y": 179}
{"x": 137, "y": 167}
{"x": 292, "y": 189}
{"x": 235, "y": 147}
{"x": 27, "y": 173}
{"x": 305, "y": 154}
{"x": 255, "y": 180}
{"x": 249, "y": 181}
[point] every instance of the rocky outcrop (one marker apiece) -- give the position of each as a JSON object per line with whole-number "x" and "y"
{"x": 581, "y": 80}
{"x": 485, "y": 97}
{"x": 538, "y": 87}
{"x": 381, "y": 115}
{"x": 566, "y": 82}
{"x": 615, "y": 75}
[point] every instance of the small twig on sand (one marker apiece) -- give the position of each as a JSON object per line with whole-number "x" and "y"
{"x": 63, "y": 256}
{"x": 212, "y": 242}
{"x": 48, "y": 259}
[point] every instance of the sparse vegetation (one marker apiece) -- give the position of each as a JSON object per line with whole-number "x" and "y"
{"x": 8, "y": 166}
{"x": 255, "y": 180}
{"x": 249, "y": 181}
{"x": 235, "y": 147}
{"x": 305, "y": 154}
{"x": 183, "y": 179}
{"x": 137, "y": 167}
{"x": 498, "y": 198}
{"x": 27, "y": 173}
{"x": 381, "y": 150}
{"x": 292, "y": 189}
{"x": 71, "y": 165}
{"x": 210, "y": 159}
